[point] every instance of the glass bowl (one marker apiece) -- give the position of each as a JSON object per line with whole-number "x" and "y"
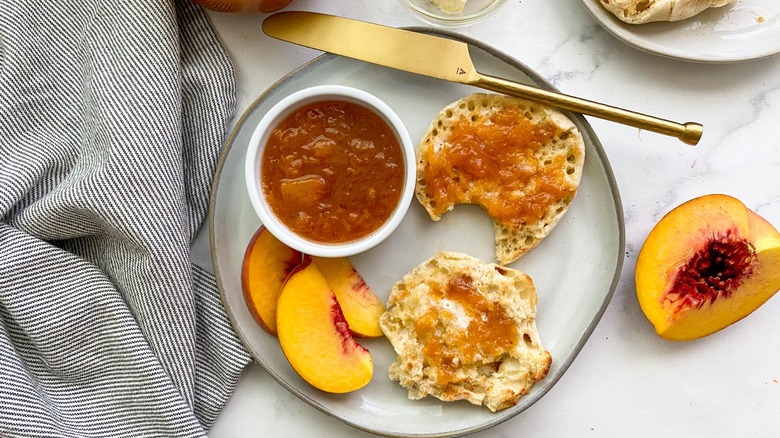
{"x": 473, "y": 11}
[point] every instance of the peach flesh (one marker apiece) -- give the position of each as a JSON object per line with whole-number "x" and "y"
{"x": 315, "y": 336}
{"x": 267, "y": 263}
{"x": 361, "y": 307}
{"x": 717, "y": 270}
{"x": 707, "y": 264}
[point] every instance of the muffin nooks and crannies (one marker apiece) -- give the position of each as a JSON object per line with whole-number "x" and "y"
{"x": 646, "y": 11}
{"x": 520, "y": 161}
{"x": 465, "y": 330}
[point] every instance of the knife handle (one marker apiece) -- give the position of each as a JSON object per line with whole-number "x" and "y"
{"x": 688, "y": 133}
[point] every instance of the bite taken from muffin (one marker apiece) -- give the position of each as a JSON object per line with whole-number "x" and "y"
{"x": 521, "y": 162}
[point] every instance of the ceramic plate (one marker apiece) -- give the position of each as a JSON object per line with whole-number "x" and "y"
{"x": 743, "y": 31}
{"x": 575, "y": 268}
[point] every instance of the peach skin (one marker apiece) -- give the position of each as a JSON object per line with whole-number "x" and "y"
{"x": 267, "y": 263}
{"x": 359, "y": 303}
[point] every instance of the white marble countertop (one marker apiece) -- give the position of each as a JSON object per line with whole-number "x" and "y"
{"x": 626, "y": 381}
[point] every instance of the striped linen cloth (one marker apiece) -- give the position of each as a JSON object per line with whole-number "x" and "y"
{"x": 112, "y": 114}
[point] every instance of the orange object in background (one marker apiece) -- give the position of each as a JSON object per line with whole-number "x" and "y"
{"x": 243, "y": 5}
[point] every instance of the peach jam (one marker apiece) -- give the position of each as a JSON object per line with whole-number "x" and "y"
{"x": 333, "y": 171}
{"x": 494, "y": 156}
{"x": 491, "y": 331}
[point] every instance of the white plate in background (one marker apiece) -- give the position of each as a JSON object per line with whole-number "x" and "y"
{"x": 743, "y": 31}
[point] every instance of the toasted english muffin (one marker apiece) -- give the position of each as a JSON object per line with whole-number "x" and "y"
{"x": 465, "y": 330}
{"x": 646, "y": 11}
{"x": 520, "y": 161}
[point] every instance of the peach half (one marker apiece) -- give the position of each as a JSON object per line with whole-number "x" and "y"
{"x": 361, "y": 307}
{"x": 314, "y": 335}
{"x": 267, "y": 263}
{"x": 707, "y": 264}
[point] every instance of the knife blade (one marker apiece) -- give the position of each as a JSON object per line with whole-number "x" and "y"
{"x": 442, "y": 58}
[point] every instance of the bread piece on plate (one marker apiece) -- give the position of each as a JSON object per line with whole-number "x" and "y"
{"x": 520, "y": 161}
{"x": 646, "y": 11}
{"x": 465, "y": 330}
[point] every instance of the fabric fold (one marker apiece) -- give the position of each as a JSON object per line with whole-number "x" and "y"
{"x": 112, "y": 115}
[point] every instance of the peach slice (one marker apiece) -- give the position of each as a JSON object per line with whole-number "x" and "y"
{"x": 707, "y": 264}
{"x": 304, "y": 191}
{"x": 314, "y": 335}
{"x": 361, "y": 307}
{"x": 267, "y": 263}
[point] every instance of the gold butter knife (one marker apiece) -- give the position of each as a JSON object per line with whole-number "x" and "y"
{"x": 442, "y": 58}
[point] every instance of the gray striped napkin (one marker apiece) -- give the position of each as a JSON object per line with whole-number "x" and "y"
{"x": 112, "y": 114}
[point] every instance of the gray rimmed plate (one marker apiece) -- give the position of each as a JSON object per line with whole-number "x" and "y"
{"x": 576, "y": 268}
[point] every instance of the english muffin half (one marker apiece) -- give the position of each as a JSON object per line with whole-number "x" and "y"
{"x": 646, "y": 11}
{"x": 465, "y": 330}
{"x": 520, "y": 161}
